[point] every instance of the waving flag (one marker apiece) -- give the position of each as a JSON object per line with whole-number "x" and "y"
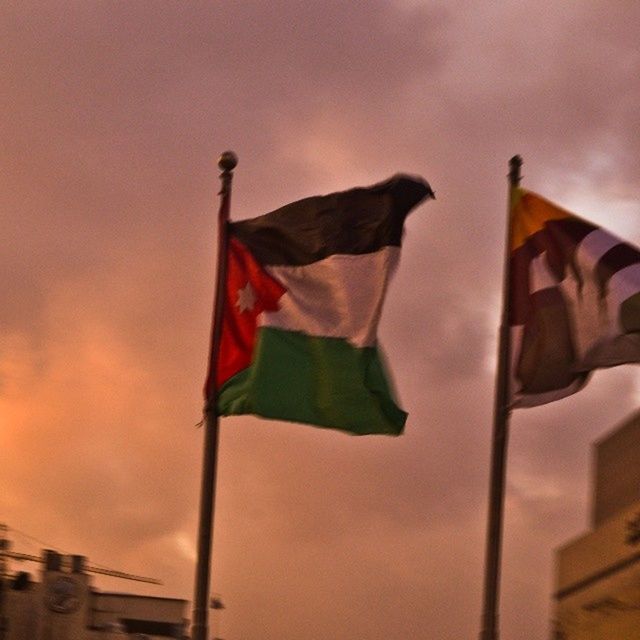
{"x": 304, "y": 292}
{"x": 574, "y": 301}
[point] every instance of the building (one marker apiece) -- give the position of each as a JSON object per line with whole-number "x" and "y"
{"x": 63, "y": 605}
{"x": 598, "y": 574}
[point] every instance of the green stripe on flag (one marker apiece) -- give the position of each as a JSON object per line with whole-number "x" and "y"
{"x": 314, "y": 380}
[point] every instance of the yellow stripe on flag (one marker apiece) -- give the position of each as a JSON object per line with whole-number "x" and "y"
{"x": 529, "y": 214}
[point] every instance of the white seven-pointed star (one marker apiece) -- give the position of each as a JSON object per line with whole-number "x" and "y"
{"x": 246, "y": 298}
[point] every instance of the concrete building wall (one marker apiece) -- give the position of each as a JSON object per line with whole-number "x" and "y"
{"x": 598, "y": 583}
{"x": 21, "y": 612}
{"x": 165, "y": 615}
{"x": 64, "y": 606}
{"x": 616, "y": 470}
{"x": 598, "y": 574}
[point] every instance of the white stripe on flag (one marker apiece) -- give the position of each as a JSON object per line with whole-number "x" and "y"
{"x": 623, "y": 284}
{"x": 593, "y": 318}
{"x": 592, "y": 247}
{"x": 540, "y": 275}
{"x": 339, "y": 297}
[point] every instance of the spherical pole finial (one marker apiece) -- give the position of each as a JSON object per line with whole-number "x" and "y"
{"x": 515, "y": 165}
{"x": 228, "y": 161}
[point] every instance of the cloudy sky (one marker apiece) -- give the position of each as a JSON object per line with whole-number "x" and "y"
{"x": 113, "y": 116}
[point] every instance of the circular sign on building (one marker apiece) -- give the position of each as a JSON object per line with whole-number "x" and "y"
{"x": 63, "y": 595}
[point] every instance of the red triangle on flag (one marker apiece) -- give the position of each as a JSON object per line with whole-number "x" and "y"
{"x": 249, "y": 291}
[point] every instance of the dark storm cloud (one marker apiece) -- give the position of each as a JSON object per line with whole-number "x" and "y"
{"x": 114, "y": 115}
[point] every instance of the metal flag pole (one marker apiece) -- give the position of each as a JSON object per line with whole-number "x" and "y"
{"x": 501, "y": 417}
{"x": 200, "y": 626}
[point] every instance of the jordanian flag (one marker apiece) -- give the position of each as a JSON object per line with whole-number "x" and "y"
{"x": 574, "y": 301}
{"x": 304, "y": 292}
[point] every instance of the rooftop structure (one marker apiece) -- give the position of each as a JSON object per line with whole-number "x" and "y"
{"x": 598, "y": 574}
{"x": 63, "y": 605}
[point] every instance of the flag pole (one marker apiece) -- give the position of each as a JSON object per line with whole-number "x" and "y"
{"x": 501, "y": 417}
{"x": 200, "y": 626}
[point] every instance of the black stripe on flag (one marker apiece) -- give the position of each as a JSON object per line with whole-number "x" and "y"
{"x": 358, "y": 221}
{"x": 617, "y": 258}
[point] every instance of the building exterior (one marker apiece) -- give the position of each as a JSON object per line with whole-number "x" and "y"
{"x": 64, "y": 606}
{"x": 598, "y": 574}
